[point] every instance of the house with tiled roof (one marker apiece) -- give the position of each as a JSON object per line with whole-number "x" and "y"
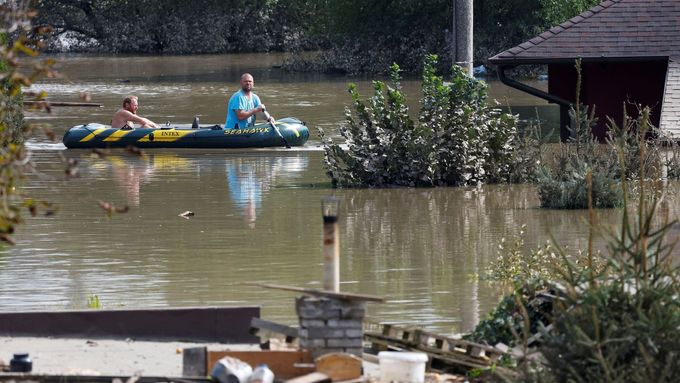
{"x": 630, "y": 52}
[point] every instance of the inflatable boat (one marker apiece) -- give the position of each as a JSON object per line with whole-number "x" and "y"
{"x": 288, "y": 132}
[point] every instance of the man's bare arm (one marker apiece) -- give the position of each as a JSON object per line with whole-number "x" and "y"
{"x": 144, "y": 122}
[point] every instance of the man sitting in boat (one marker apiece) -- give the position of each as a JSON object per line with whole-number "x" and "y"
{"x": 244, "y": 105}
{"x": 126, "y": 117}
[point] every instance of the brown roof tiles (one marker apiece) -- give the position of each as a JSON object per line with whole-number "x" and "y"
{"x": 612, "y": 29}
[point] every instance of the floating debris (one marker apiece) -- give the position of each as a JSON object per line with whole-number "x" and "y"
{"x": 187, "y": 214}
{"x": 110, "y": 208}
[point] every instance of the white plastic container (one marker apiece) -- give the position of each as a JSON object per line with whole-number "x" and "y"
{"x": 262, "y": 374}
{"x": 406, "y": 367}
{"x": 231, "y": 370}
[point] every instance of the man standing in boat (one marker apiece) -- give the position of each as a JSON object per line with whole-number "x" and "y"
{"x": 127, "y": 116}
{"x": 244, "y": 105}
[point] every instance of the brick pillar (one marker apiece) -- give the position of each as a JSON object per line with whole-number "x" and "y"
{"x": 330, "y": 325}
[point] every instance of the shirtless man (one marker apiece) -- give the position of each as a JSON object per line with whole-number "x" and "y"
{"x": 127, "y": 116}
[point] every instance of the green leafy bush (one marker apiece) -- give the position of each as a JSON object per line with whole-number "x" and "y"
{"x": 613, "y": 322}
{"x": 562, "y": 182}
{"x": 623, "y": 325}
{"x": 508, "y": 319}
{"x": 18, "y": 40}
{"x": 458, "y": 139}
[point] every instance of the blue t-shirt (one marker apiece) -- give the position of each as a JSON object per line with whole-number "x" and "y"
{"x": 240, "y": 101}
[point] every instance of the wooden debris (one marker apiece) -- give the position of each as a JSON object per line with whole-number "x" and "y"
{"x": 264, "y": 328}
{"x": 333, "y": 294}
{"x": 110, "y": 208}
{"x": 314, "y": 377}
{"x": 285, "y": 364}
{"x": 339, "y": 366}
{"x": 442, "y": 351}
{"x": 61, "y": 103}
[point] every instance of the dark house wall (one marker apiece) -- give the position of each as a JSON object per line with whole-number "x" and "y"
{"x": 608, "y": 85}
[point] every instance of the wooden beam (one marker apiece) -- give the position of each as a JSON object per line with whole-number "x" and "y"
{"x": 194, "y": 361}
{"x": 314, "y": 377}
{"x": 61, "y": 103}
{"x": 339, "y": 366}
{"x": 326, "y": 293}
{"x": 257, "y": 324}
{"x": 285, "y": 364}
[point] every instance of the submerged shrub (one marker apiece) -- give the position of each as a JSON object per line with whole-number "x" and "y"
{"x": 507, "y": 320}
{"x": 562, "y": 182}
{"x": 384, "y": 146}
{"x": 613, "y": 322}
{"x": 458, "y": 139}
{"x": 622, "y": 325}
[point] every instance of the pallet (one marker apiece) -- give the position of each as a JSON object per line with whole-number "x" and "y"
{"x": 442, "y": 351}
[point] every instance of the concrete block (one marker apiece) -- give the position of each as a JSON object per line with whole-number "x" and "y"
{"x": 358, "y": 351}
{"x": 345, "y": 323}
{"x": 312, "y": 323}
{"x": 312, "y": 344}
{"x": 345, "y": 342}
{"x": 325, "y": 332}
{"x": 353, "y": 313}
{"x": 309, "y": 312}
{"x": 354, "y": 333}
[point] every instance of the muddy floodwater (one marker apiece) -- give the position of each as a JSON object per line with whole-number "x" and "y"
{"x": 257, "y": 212}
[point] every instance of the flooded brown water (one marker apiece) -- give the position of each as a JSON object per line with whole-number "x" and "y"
{"x": 257, "y": 212}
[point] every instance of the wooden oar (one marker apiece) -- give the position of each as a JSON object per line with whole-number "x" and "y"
{"x": 269, "y": 119}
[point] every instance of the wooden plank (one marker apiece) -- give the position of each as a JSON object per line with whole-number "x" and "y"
{"x": 261, "y": 324}
{"x": 332, "y": 294}
{"x": 40, "y": 378}
{"x": 194, "y": 362}
{"x": 314, "y": 377}
{"x": 339, "y": 366}
{"x": 62, "y": 103}
{"x": 285, "y": 364}
{"x": 189, "y": 324}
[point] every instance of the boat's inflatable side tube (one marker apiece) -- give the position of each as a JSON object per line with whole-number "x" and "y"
{"x": 184, "y": 136}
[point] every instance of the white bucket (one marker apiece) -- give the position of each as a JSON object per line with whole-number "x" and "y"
{"x": 408, "y": 367}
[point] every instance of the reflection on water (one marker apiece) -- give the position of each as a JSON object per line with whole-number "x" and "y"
{"x": 257, "y": 212}
{"x": 258, "y": 219}
{"x": 248, "y": 178}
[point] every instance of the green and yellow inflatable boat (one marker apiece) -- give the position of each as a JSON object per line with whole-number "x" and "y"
{"x": 293, "y": 132}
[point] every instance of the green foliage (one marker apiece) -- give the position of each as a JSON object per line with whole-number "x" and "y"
{"x": 563, "y": 184}
{"x": 15, "y": 75}
{"x": 671, "y": 160}
{"x": 503, "y": 24}
{"x": 515, "y": 264}
{"x": 507, "y": 320}
{"x": 458, "y": 140}
{"x": 622, "y": 325}
{"x": 93, "y": 302}
{"x": 384, "y": 145}
{"x": 354, "y": 35}
{"x": 176, "y": 26}
{"x": 612, "y": 322}
{"x": 12, "y": 111}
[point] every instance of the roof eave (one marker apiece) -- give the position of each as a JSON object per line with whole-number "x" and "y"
{"x": 568, "y": 60}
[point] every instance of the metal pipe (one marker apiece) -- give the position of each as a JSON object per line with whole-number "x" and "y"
{"x": 527, "y": 89}
{"x": 331, "y": 244}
